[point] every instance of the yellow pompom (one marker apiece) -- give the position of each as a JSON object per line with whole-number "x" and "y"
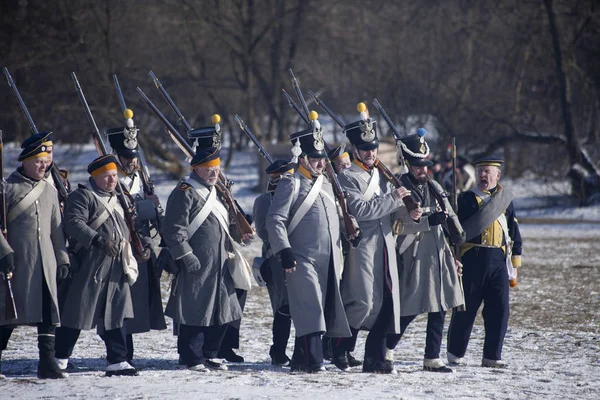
{"x": 215, "y": 119}
{"x": 313, "y": 115}
{"x": 361, "y": 107}
{"x": 128, "y": 114}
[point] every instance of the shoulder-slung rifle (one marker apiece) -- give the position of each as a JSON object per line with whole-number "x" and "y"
{"x": 140, "y": 252}
{"x": 351, "y": 228}
{"x": 54, "y": 171}
{"x": 239, "y": 217}
{"x": 10, "y": 309}
{"x": 387, "y": 174}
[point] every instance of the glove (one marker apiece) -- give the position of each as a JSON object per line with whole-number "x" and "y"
{"x": 287, "y": 259}
{"x": 7, "y": 264}
{"x": 437, "y": 218}
{"x": 62, "y": 272}
{"x": 110, "y": 246}
{"x": 190, "y": 262}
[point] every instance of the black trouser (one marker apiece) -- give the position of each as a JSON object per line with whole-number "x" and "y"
{"x": 433, "y": 339}
{"x": 375, "y": 347}
{"x": 231, "y": 340}
{"x": 308, "y": 350}
{"x": 282, "y": 323}
{"x": 44, "y": 328}
{"x": 197, "y": 343}
{"x": 115, "y": 341}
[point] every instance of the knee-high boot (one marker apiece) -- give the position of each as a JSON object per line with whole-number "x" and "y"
{"x": 47, "y": 367}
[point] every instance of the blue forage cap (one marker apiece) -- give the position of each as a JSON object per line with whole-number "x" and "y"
{"x": 37, "y": 139}
{"x": 280, "y": 166}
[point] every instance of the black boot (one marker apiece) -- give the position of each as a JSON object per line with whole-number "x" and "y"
{"x": 352, "y": 361}
{"x": 47, "y": 367}
{"x": 278, "y": 357}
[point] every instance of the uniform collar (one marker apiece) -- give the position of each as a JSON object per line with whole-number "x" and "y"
{"x": 305, "y": 172}
{"x": 361, "y": 165}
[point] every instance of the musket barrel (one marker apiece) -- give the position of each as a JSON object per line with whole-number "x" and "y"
{"x": 12, "y": 85}
{"x": 327, "y": 109}
{"x": 293, "y": 104}
{"x": 298, "y": 92}
{"x": 120, "y": 93}
{"x": 169, "y": 100}
{"x": 251, "y": 135}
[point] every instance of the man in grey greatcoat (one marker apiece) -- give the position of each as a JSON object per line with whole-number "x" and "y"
{"x": 203, "y": 298}
{"x": 370, "y": 287}
{"x": 304, "y": 231}
{"x": 99, "y": 294}
{"x": 429, "y": 278}
{"x": 269, "y": 272}
{"x": 145, "y": 292}
{"x": 34, "y": 252}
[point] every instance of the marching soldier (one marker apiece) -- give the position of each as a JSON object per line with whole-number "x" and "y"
{"x": 340, "y": 158}
{"x": 304, "y": 232}
{"x": 203, "y": 299}
{"x": 99, "y": 294}
{"x": 269, "y": 273}
{"x": 370, "y": 288}
{"x": 145, "y": 292}
{"x": 35, "y": 254}
{"x": 429, "y": 280}
{"x": 45, "y": 138}
{"x": 490, "y": 257}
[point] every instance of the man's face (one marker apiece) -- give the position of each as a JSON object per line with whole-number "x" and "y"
{"x": 50, "y": 151}
{"x": 107, "y": 181}
{"x": 487, "y": 177}
{"x": 342, "y": 163}
{"x": 35, "y": 168}
{"x": 420, "y": 173}
{"x": 208, "y": 174}
{"x": 368, "y": 157}
{"x": 129, "y": 164}
{"x": 314, "y": 165}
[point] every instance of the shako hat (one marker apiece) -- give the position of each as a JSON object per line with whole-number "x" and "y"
{"x": 123, "y": 140}
{"x": 309, "y": 141}
{"x": 363, "y": 133}
{"x": 208, "y": 136}
{"x": 415, "y": 149}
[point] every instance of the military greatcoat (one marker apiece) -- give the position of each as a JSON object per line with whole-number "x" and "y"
{"x": 206, "y": 297}
{"x": 375, "y": 257}
{"x": 429, "y": 280}
{"x": 37, "y": 239}
{"x": 99, "y": 294}
{"x": 317, "y": 246}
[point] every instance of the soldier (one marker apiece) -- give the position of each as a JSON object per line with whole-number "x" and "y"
{"x": 490, "y": 257}
{"x": 429, "y": 280}
{"x": 203, "y": 300}
{"x": 340, "y": 157}
{"x": 35, "y": 253}
{"x": 370, "y": 286}
{"x": 145, "y": 292}
{"x": 99, "y": 294}
{"x": 45, "y": 138}
{"x": 304, "y": 232}
{"x": 269, "y": 273}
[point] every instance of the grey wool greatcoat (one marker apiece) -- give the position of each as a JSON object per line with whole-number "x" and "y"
{"x": 99, "y": 294}
{"x": 206, "y": 297}
{"x": 276, "y": 286}
{"x": 145, "y": 292}
{"x": 37, "y": 239}
{"x": 316, "y": 245}
{"x": 366, "y": 265}
{"x": 428, "y": 278}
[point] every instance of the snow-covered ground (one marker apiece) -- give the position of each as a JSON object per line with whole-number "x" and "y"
{"x": 552, "y": 347}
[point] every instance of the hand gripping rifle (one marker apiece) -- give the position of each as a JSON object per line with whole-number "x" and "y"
{"x": 59, "y": 183}
{"x": 10, "y": 309}
{"x": 387, "y": 174}
{"x": 147, "y": 182}
{"x": 351, "y": 228}
{"x": 239, "y": 217}
{"x": 141, "y": 253}
{"x": 457, "y": 234}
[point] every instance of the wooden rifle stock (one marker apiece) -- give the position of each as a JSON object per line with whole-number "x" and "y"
{"x": 10, "y": 308}
{"x": 389, "y": 176}
{"x": 141, "y": 253}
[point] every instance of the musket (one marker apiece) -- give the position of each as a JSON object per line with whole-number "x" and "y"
{"x": 239, "y": 217}
{"x": 456, "y": 231}
{"x": 10, "y": 308}
{"x": 182, "y": 121}
{"x": 263, "y": 152}
{"x": 141, "y": 253}
{"x": 455, "y": 206}
{"x": 387, "y": 174}
{"x": 147, "y": 182}
{"x": 351, "y": 228}
{"x": 60, "y": 185}
{"x": 293, "y": 104}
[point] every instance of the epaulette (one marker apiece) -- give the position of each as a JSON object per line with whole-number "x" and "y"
{"x": 184, "y": 186}
{"x": 64, "y": 173}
